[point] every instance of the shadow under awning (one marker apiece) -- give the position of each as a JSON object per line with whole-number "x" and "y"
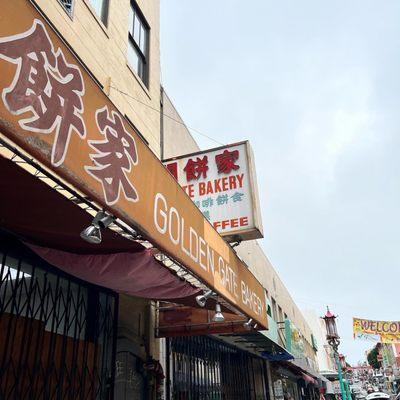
{"x": 266, "y": 347}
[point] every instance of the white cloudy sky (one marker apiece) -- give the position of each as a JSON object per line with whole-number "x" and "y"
{"x": 315, "y": 86}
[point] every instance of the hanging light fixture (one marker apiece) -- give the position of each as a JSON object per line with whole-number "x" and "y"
{"x": 202, "y": 298}
{"x": 92, "y": 233}
{"x": 247, "y": 324}
{"x": 218, "y": 316}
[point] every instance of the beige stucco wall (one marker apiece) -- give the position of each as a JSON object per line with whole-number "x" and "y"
{"x": 103, "y": 50}
{"x": 253, "y": 255}
{"x": 176, "y": 135}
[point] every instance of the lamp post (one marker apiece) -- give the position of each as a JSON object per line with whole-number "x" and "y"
{"x": 333, "y": 339}
{"x": 343, "y": 364}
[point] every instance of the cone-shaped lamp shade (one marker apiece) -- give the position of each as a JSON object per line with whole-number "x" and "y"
{"x": 202, "y": 298}
{"x": 247, "y": 324}
{"x": 218, "y": 316}
{"x": 91, "y": 234}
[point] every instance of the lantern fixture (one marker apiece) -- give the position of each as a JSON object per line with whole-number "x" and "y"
{"x": 330, "y": 324}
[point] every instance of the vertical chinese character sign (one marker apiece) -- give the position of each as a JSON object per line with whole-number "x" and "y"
{"x": 222, "y": 184}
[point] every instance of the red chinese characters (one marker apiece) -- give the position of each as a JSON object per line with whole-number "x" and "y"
{"x": 226, "y": 161}
{"x": 173, "y": 169}
{"x": 46, "y": 90}
{"x": 114, "y": 158}
{"x": 195, "y": 169}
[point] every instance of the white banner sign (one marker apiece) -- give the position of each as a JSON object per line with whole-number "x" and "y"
{"x": 222, "y": 184}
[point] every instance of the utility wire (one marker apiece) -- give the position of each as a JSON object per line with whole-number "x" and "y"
{"x": 166, "y": 115}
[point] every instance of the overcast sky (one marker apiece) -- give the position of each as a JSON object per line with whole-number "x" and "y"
{"x": 315, "y": 86}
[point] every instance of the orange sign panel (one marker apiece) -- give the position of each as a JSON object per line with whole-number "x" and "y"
{"x": 54, "y": 110}
{"x": 187, "y": 321}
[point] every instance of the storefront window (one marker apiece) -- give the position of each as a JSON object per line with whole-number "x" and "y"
{"x": 284, "y": 388}
{"x": 204, "y": 368}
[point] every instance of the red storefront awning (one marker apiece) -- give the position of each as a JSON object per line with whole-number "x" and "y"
{"x": 41, "y": 215}
{"x": 38, "y": 214}
{"x": 138, "y": 274}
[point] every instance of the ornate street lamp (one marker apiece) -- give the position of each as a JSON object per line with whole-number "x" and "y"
{"x": 332, "y": 335}
{"x": 333, "y": 339}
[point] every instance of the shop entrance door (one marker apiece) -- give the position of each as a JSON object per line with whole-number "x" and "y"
{"x": 57, "y": 334}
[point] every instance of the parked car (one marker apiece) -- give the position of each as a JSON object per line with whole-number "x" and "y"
{"x": 378, "y": 396}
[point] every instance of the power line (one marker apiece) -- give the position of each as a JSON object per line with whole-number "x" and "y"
{"x": 166, "y": 115}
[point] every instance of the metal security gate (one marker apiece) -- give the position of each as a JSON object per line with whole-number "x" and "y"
{"x": 200, "y": 367}
{"x": 57, "y": 334}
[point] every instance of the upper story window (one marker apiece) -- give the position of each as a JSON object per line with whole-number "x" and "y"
{"x": 269, "y": 310}
{"x": 68, "y": 5}
{"x": 280, "y": 314}
{"x": 138, "y": 44}
{"x": 101, "y": 9}
{"x": 274, "y": 310}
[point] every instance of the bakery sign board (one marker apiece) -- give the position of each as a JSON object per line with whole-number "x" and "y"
{"x": 222, "y": 184}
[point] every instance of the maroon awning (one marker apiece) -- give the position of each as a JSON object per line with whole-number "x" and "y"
{"x": 51, "y": 224}
{"x": 37, "y": 213}
{"x": 138, "y": 274}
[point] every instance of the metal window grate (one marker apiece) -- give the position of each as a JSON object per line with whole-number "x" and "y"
{"x": 200, "y": 367}
{"x": 57, "y": 335}
{"x": 67, "y": 4}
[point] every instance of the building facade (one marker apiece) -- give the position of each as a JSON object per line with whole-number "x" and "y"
{"x": 89, "y": 254}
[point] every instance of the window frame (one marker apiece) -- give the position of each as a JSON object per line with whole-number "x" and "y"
{"x": 70, "y": 12}
{"x": 274, "y": 309}
{"x": 131, "y": 41}
{"x": 280, "y": 314}
{"x": 105, "y": 8}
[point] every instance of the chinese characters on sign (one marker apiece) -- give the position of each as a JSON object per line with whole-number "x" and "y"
{"x": 221, "y": 184}
{"x": 114, "y": 157}
{"x": 226, "y": 161}
{"x": 48, "y": 92}
{"x": 196, "y": 168}
{"x": 45, "y": 87}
